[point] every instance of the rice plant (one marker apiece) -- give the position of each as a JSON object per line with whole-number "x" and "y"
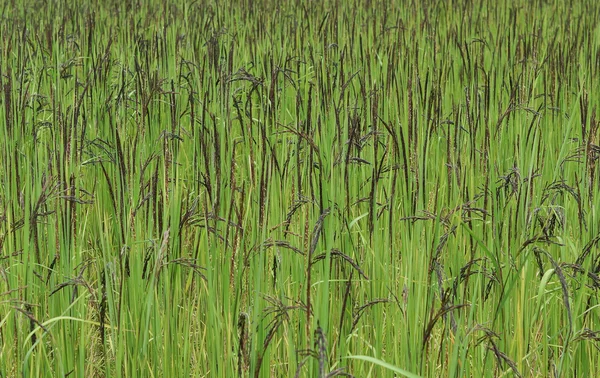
{"x": 299, "y": 189}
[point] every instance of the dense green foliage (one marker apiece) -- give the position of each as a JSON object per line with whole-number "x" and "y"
{"x": 280, "y": 189}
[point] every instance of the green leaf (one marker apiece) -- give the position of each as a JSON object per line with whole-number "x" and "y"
{"x": 384, "y": 364}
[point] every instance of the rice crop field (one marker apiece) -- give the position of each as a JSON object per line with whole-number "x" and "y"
{"x": 299, "y": 188}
